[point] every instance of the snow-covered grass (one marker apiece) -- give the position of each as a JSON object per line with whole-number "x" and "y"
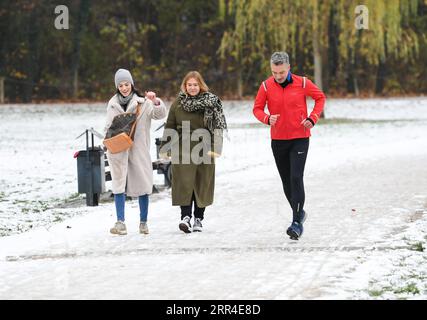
{"x": 365, "y": 236}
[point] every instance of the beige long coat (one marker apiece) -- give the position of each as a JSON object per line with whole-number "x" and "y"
{"x": 132, "y": 170}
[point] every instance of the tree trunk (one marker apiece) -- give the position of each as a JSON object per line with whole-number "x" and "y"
{"x": 154, "y": 40}
{"x": 350, "y": 72}
{"x": 352, "y": 85}
{"x": 382, "y": 70}
{"x": 332, "y": 56}
{"x": 356, "y": 86}
{"x": 381, "y": 75}
{"x": 75, "y": 83}
{"x": 83, "y": 15}
{"x": 1, "y": 90}
{"x": 31, "y": 61}
{"x": 317, "y": 61}
{"x": 239, "y": 82}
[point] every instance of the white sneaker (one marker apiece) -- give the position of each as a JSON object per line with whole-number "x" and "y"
{"x": 143, "y": 228}
{"x": 185, "y": 225}
{"x": 119, "y": 228}
{"x": 197, "y": 226}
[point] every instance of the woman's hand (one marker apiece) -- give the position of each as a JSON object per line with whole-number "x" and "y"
{"x": 152, "y": 96}
{"x": 164, "y": 156}
{"x": 213, "y": 154}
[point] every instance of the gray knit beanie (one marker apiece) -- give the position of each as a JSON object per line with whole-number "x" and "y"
{"x": 122, "y": 75}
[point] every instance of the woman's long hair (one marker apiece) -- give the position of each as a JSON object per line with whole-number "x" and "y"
{"x": 196, "y": 75}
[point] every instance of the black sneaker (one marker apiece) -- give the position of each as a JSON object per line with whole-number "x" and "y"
{"x": 185, "y": 224}
{"x": 295, "y": 230}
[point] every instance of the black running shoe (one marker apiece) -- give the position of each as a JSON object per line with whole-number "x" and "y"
{"x": 295, "y": 230}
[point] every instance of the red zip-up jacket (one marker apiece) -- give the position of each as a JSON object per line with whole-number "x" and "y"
{"x": 290, "y": 103}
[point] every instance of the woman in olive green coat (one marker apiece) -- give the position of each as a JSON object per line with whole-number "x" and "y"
{"x": 195, "y": 114}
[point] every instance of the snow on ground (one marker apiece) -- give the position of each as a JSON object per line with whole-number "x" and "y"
{"x": 364, "y": 237}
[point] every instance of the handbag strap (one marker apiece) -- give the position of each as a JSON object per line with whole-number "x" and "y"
{"x": 132, "y": 130}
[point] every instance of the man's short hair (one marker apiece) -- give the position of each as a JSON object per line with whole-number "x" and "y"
{"x": 279, "y": 58}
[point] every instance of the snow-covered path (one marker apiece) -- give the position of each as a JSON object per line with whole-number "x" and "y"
{"x": 366, "y": 189}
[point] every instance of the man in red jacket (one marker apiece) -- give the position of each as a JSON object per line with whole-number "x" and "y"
{"x": 285, "y": 96}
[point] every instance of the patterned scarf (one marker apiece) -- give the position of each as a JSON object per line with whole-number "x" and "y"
{"x": 206, "y": 103}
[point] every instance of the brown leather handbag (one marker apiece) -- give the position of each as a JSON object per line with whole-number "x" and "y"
{"x": 121, "y": 133}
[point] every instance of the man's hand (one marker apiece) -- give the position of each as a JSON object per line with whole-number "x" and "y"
{"x": 273, "y": 119}
{"x": 307, "y": 123}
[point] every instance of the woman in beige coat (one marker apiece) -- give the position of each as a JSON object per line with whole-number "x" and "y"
{"x": 132, "y": 170}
